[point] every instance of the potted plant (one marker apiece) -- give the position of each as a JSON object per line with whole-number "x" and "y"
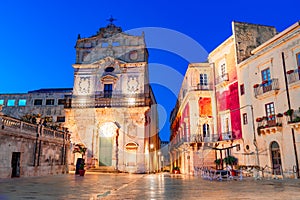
{"x": 81, "y": 168}
{"x": 264, "y": 82}
{"x": 255, "y": 86}
{"x": 259, "y": 119}
{"x": 80, "y": 148}
{"x": 289, "y": 112}
{"x": 218, "y": 161}
{"x": 230, "y": 160}
{"x": 176, "y": 170}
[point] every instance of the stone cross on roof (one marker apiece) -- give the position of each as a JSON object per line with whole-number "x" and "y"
{"x": 111, "y": 19}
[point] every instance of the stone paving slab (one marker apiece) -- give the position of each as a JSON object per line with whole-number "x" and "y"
{"x": 143, "y": 186}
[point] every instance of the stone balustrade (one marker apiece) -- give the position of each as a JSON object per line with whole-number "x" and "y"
{"x": 19, "y": 126}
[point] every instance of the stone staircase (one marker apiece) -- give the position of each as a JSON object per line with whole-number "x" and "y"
{"x": 103, "y": 169}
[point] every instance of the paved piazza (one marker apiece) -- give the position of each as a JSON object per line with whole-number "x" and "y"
{"x": 154, "y": 186}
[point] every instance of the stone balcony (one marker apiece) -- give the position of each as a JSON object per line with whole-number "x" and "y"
{"x": 103, "y": 100}
{"x": 293, "y": 77}
{"x": 268, "y": 125}
{"x": 266, "y": 88}
{"x": 294, "y": 119}
{"x": 222, "y": 79}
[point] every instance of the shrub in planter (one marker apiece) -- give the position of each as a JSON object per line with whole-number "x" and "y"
{"x": 218, "y": 161}
{"x": 289, "y": 112}
{"x": 230, "y": 160}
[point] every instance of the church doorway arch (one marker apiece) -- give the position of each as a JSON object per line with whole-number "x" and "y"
{"x": 106, "y": 137}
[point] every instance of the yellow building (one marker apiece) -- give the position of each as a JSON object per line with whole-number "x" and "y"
{"x": 191, "y": 119}
{"x": 112, "y": 111}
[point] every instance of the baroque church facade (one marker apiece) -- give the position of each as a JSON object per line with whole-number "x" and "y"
{"x": 112, "y": 110}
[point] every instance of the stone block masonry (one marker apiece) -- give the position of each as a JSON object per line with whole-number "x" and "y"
{"x": 31, "y": 149}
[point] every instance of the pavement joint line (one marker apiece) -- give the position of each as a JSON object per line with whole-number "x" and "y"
{"x": 120, "y": 188}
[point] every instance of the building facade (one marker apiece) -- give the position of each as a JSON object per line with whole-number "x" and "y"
{"x": 218, "y": 133}
{"x": 269, "y": 82}
{"x": 191, "y": 120}
{"x": 31, "y": 149}
{"x": 47, "y": 104}
{"x": 112, "y": 111}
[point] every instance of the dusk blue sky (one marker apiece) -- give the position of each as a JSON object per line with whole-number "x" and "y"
{"x": 38, "y": 37}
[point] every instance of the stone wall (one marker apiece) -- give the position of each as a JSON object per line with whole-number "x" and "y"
{"x": 249, "y": 36}
{"x": 41, "y": 151}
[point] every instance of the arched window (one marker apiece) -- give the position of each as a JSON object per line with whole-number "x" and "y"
{"x": 205, "y": 130}
{"x": 276, "y": 158}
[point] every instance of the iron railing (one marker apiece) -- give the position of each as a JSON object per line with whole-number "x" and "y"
{"x": 267, "y": 86}
{"x": 294, "y": 117}
{"x": 293, "y": 76}
{"x": 270, "y": 121}
{"x": 222, "y": 78}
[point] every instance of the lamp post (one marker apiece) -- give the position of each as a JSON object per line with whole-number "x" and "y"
{"x": 150, "y": 162}
{"x": 159, "y": 162}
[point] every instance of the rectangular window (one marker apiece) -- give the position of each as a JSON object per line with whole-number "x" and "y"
{"x": 1, "y": 101}
{"x": 22, "y": 102}
{"x": 115, "y": 44}
{"x": 107, "y": 90}
{"x": 270, "y": 111}
{"x": 104, "y": 44}
{"x": 245, "y": 119}
{"x": 60, "y": 119}
{"x": 242, "y": 89}
{"x": 266, "y": 75}
{"x": 223, "y": 70}
{"x": 61, "y": 101}
{"x": 11, "y": 102}
{"x": 226, "y": 125}
{"x": 203, "y": 79}
{"x": 298, "y": 59}
{"x": 38, "y": 102}
{"x": 49, "y": 102}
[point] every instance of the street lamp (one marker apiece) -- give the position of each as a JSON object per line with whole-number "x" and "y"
{"x": 150, "y": 163}
{"x": 159, "y": 162}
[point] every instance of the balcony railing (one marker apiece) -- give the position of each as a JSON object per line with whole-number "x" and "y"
{"x": 269, "y": 124}
{"x": 222, "y": 78}
{"x": 293, "y": 76}
{"x": 295, "y": 117}
{"x": 227, "y": 135}
{"x": 20, "y": 127}
{"x": 194, "y": 138}
{"x": 204, "y": 87}
{"x": 266, "y": 86}
{"x": 101, "y": 100}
